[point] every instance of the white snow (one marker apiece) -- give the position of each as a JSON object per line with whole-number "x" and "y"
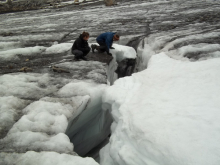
{"x": 9, "y": 45}
{"x": 44, "y": 122}
{"x": 111, "y": 75}
{"x": 9, "y": 53}
{"x": 166, "y": 114}
{"x": 59, "y": 48}
{"x": 211, "y": 55}
{"x": 27, "y": 85}
{"x": 10, "y": 107}
{"x": 196, "y": 37}
{"x": 13, "y": 53}
{"x": 198, "y": 48}
{"x": 44, "y": 158}
{"x": 42, "y": 128}
{"x": 144, "y": 51}
{"x": 97, "y": 75}
{"x": 122, "y": 52}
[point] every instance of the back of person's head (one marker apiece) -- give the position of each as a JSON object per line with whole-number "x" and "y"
{"x": 85, "y": 34}
{"x": 116, "y": 37}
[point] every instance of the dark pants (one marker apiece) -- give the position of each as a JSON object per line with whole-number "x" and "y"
{"x": 79, "y": 53}
{"x": 103, "y": 47}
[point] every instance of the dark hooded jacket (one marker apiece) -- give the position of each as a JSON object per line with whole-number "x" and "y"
{"x": 81, "y": 44}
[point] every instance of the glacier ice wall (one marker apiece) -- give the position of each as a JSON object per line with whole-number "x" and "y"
{"x": 92, "y": 126}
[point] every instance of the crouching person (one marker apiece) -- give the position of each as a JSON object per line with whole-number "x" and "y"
{"x": 105, "y": 41}
{"x": 81, "y": 47}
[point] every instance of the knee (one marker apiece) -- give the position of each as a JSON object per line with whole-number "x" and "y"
{"x": 77, "y": 52}
{"x": 88, "y": 50}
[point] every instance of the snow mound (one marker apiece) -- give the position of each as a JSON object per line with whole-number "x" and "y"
{"x": 9, "y": 45}
{"x": 43, "y": 125}
{"x": 122, "y": 52}
{"x": 166, "y": 114}
{"x": 10, "y": 109}
{"x": 27, "y": 85}
{"x": 13, "y": 54}
{"x": 44, "y": 158}
{"x": 59, "y": 48}
{"x": 41, "y": 128}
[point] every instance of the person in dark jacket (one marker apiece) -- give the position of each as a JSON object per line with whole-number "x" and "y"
{"x": 105, "y": 42}
{"x": 81, "y": 47}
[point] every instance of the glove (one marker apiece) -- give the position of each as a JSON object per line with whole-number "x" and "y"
{"x": 109, "y": 54}
{"x": 112, "y": 48}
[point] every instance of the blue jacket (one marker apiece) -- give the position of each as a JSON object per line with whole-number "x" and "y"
{"x": 106, "y": 38}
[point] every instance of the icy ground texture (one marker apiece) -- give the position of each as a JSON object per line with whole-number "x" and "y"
{"x": 44, "y": 158}
{"x": 166, "y": 114}
{"x": 182, "y": 28}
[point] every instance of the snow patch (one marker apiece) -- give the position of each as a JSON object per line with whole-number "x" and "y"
{"x": 10, "y": 110}
{"x": 122, "y": 52}
{"x": 15, "y": 53}
{"x": 9, "y": 45}
{"x": 59, "y": 48}
{"x": 44, "y": 158}
{"x": 27, "y": 85}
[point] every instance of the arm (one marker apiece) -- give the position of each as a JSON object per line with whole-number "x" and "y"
{"x": 111, "y": 46}
{"x": 108, "y": 41}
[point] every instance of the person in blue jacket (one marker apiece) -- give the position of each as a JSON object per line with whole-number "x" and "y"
{"x": 105, "y": 41}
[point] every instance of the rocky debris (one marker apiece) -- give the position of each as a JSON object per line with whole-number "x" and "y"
{"x": 76, "y": 2}
{"x": 5, "y": 34}
{"x": 110, "y": 2}
{"x": 25, "y": 69}
{"x": 10, "y": 67}
{"x": 59, "y": 70}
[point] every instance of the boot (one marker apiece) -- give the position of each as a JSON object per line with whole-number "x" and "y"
{"x": 84, "y": 58}
{"x": 101, "y": 49}
{"x": 76, "y": 58}
{"x": 93, "y": 48}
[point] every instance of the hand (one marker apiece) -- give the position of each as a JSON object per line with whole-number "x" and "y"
{"x": 109, "y": 54}
{"x": 112, "y": 48}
